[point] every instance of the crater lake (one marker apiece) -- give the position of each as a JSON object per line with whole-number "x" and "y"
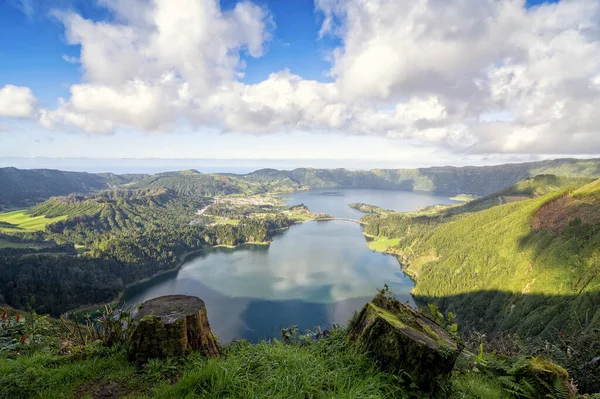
{"x": 312, "y": 274}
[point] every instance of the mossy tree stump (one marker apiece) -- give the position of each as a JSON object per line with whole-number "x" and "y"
{"x": 401, "y": 339}
{"x": 170, "y": 326}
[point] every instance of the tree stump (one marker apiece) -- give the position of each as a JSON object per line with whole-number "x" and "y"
{"x": 170, "y": 326}
{"x": 401, "y": 339}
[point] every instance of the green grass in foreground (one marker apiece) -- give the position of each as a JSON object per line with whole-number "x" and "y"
{"x": 327, "y": 368}
{"x": 24, "y": 222}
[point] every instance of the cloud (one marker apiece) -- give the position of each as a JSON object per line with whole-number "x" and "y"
{"x": 70, "y": 59}
{"x": 159, "y": 63}
{"x": 25, "y": 6}
{"x": 17, "y": 102}
{"x": 466, "y": 75}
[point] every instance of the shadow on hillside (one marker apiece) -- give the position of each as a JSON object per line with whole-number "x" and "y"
{"x": 474, "y": 180}
{"x": 526, "y": 314}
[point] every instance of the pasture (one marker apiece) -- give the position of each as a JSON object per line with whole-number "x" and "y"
{"x": 21, "y": 222}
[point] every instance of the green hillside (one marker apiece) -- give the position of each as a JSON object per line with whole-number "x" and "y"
{"x": 23, "y": 222}
{"x": 191, "y": 182}
{"x": 21, "y": 188}
{"x": 122, "y": 236}
{"x": 449, "y": 180}
{"x": 529, "y": 267}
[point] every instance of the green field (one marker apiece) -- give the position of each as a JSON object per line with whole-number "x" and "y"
{"x": 25, "y": 223}
{"x": 463, "y": 197}
{"x": 8, "y": 244}
{"x": 383, "y": 244}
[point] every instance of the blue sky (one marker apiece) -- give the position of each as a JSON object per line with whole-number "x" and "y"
{"x": 332, "y": 96}
{"x": 32, "y": 45}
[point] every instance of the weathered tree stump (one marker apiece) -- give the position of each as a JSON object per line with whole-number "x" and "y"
{"x": 401, "y": 339}
{"x": 170, "y": 326}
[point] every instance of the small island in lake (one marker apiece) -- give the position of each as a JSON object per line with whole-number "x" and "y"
{"x": 368, "y": 208}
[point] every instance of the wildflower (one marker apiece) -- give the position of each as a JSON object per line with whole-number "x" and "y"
{"x": 4, "y": 314}
{"x": 18, "y": 317}
{"x": 23, "y": 339}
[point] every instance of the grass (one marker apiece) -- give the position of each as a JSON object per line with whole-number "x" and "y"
{"x": 328, "y": 368}
{"x": 80, "y": 248}
{"x": 23, "y": 222}
{"x": 478, "y": 386}
{"x": 233, "y": 222}
{"x": 8, "y": 244}
{"x": 48, "y": 376}
{"x": 382, "y": 244}
{"x": 463, "y": 197}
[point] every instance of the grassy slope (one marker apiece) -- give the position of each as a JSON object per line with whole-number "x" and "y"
{"x": 24, "y": 222}
{"x": 527, "y": 188}
{"x": 9, "y": 244}
{"x": 328, "y": 368}
{"x": 496, "y": 270}
{"x": 382, "y": 244}
{"x": 22, "y": 187}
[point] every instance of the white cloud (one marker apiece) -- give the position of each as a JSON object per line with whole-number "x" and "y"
{"x": 480, "y": 58}
{"x": 70, "y": 59}
{"x": 475, "y": 75}
{"x": 17, "y": 102}
{"x": 158, "y": 64}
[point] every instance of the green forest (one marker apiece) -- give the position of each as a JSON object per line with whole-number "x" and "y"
{"x": 528, "y": 267}
{"x": 123, "y": 236}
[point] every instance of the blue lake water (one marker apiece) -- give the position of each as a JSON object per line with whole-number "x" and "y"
{"x": 315, "y": 273}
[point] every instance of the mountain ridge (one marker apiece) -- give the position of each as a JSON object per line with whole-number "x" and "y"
{"x": 25, "y": 187}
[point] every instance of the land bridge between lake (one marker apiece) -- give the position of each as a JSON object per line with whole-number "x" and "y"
{"x": 345, "y": 219}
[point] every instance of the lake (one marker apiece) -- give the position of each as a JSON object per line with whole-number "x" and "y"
{"x": 334, "y": 202}
{"x": 314, "y": 273}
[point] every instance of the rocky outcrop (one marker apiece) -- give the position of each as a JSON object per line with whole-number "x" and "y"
{"x": 170, "y": 326}
{"x": 402, "y": 340}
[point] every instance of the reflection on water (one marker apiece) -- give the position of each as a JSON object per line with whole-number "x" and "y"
{"x": 315, "y": 273}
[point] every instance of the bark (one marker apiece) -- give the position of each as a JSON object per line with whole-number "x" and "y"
{"x": 171, "y": 326}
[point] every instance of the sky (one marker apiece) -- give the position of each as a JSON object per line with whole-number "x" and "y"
{"x": 404, "y": 83}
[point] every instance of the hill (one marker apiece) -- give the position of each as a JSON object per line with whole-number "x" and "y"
{"x": 529, "y": 267}
{"x": 192, "y": 182}
{"x": 21, "y": 188}
{"x": 482, "y": 180}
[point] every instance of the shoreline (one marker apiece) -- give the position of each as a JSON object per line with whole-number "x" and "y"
{"x": 185, "y": 255}
{"x": 182, "y": 259}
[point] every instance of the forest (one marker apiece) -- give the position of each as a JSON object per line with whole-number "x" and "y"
{"x": 529, "y": 266}
{"x": 123, "y": 236}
